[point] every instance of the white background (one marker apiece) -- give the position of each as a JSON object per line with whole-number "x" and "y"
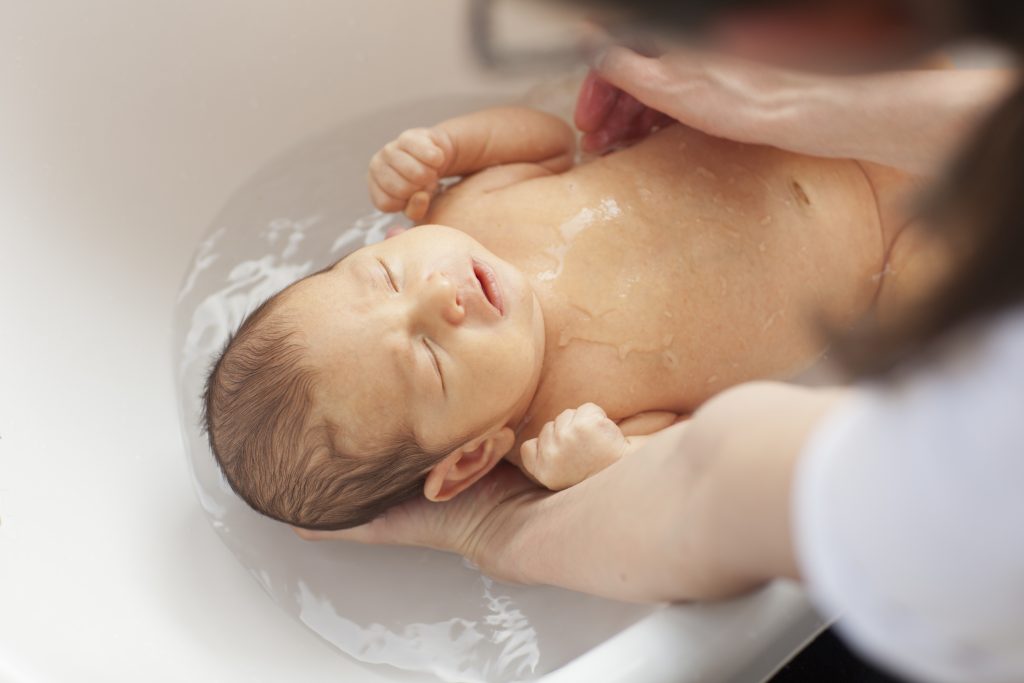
{"x": 124, "y": 126}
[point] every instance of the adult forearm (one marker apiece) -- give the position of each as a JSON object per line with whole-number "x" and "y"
{"x": 911, "y": 120}
{"x": 701, "y": 512}
{"x": 614, "y": 534}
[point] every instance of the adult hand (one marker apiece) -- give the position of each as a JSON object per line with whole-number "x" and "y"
{"x": 911, "y": 120}
{"x": 473, "y": 524}
{"x": 609, "y": 116}
{"x": 700, "y": 511}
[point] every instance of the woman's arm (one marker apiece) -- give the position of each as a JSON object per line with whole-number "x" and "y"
{"x": 911, "y": 120}
{"x": 701, "y": 511}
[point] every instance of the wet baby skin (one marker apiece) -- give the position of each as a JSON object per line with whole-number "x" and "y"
{"x": 643, "y": 282}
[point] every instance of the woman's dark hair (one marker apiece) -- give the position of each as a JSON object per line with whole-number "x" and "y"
{"x": 979, "y": 205}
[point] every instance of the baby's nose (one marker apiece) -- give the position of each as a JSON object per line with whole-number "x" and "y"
{"x": 442, "y": 296}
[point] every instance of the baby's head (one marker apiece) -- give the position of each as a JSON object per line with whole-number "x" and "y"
{"x": 400, "y": 371}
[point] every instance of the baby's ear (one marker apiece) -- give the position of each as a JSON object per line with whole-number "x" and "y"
{"x": 467, "y": 464}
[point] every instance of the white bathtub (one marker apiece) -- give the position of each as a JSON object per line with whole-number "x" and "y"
{"x": 123, "y": 128}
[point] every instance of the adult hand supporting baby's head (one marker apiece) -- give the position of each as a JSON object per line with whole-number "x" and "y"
{"x": 471, "y": 524}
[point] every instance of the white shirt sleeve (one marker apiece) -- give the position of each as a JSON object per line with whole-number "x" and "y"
{"x": 909, "y": 515}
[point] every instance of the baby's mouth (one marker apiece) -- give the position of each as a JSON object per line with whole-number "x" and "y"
{"x": 489, "y": 285}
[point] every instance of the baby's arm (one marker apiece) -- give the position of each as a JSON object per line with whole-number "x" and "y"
{"x": 506, "y": 135}
{"x": 580, "y": 443}
{"x": 918, "y": 262}
{"x": 405, "y": 172}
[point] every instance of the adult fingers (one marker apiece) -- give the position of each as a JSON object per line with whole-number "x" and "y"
{"x": 645, "y": 78}
{"x": 595, "y": 102}
{"x": 365, "y": 533}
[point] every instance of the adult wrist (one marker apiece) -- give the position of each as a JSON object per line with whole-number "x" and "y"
{"x": 498, "y": 545}
{"x": 813, "y": 118}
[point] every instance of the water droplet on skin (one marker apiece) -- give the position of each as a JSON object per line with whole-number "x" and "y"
{"x": 571, "y": 229}
{"x": 610, "y": 208}
{"x": 705, "y": 173}
{"x": 771, "y": 320}
{"x": 762, "y": 247}
{"x": 877, "y": 277}
{"x": 766, "y": 220}
{"x": 669, "y": 359}
{"x": 712, "y": 379}
{"x": 667, "y": 339}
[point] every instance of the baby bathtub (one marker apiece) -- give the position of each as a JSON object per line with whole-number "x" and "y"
{"x": 138, "y": 121}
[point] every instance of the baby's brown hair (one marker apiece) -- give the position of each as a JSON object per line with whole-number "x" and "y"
{"x": 258, "y": 416}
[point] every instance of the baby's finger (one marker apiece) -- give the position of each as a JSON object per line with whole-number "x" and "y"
{"x": 382, "y": 200}
{"x": 389, "y": 179}
{"x": 418, "y": 205}
{"x": 528, "y": 454}
{"x": 420, "y": 144}
{"x": 547, "y": 435}
{"x": 411, "y": 169}
{"x": 564, "y": 419}
{"x": 591, "y": 411}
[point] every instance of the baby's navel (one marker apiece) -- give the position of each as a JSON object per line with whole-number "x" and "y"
{"x": 800, "y": 193}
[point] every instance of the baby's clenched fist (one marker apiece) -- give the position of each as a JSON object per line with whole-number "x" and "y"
{"x": 576, "y": 445}
{"x": 405, "y": 172}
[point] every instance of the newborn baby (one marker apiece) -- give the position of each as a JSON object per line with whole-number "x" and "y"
{"x": 532, "y": 292}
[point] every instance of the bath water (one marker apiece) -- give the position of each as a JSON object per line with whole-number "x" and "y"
{"x": 416, "y": 609}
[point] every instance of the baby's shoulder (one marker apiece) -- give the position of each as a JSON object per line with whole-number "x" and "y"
{"x": 502, "y": 177}
{"x": 498, "y": 188}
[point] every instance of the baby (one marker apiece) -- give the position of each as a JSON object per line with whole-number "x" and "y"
{"x": 532, "y": 292}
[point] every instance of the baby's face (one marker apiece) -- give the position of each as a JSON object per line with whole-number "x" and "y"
{"x": 427, "y": 333}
